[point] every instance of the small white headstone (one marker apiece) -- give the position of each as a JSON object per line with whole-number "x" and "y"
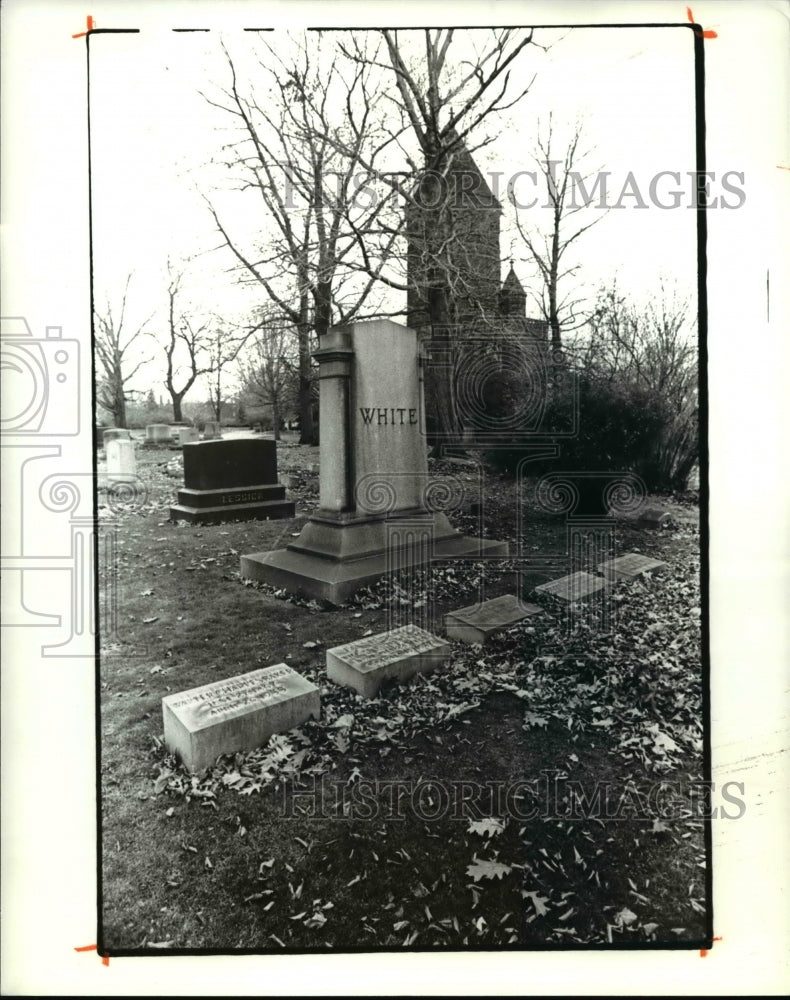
{"x": 188, "y": 434}
{"x": 121, "y": 465}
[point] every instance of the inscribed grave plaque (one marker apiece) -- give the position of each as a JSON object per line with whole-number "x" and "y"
{"x": 477, "y": 622}
{"x": 572, "y": 588}
{"x": 239, "y": 713}
{"x": 631, "y": 565}
{"x": 364, "y": 665}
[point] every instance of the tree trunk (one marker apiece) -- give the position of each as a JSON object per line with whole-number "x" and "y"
{"x": 120, "y": 410}
{"x": 177, "y": 418}
{"x": 307, "y": 428}
{"x": 276, "y": 419}
{"x": 554, "y": 319}
{"x": 306, "y": 423}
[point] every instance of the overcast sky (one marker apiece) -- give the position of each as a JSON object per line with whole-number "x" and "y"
{"x": 154, "y": 138}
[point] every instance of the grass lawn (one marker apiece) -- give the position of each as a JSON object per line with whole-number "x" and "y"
{"x": 536, "y": 792}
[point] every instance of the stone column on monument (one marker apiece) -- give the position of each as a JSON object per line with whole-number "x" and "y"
{"x": 335, "y": 357}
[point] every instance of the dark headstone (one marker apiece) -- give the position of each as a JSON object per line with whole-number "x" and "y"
{"x": 228, "y": 480}
{"x": 214, "y": 465}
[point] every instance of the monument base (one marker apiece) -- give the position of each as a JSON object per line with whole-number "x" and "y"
{"x": 337, "y": 554}
{"x": 251, "y": 502}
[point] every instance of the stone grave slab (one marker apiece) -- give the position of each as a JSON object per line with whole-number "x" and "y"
{"x": 629, "y": 566}
{"x": 654, "y": 518}
{"x": 238, "y": 713}
{"x": 478, "y": 622}
{"x": 574, "y": 587}
{"x": 364, "y": 665}
{"x": 212, "y": 430}
{"x": 228, "y": 480}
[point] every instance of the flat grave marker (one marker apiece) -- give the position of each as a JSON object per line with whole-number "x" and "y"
{"x": 574, "y": 587}
{"x": 654, "y": 518}
{"x": 629, "y": 566}
{"x": 365, "y": 664}
{"x": 238, "y": 713}
{"x": 478, "y": 622}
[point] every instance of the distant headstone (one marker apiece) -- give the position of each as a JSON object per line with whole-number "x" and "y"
{"x": 375, "y": 495}
{"x": 572, "y": 588}
{"x": 157, "y": 435}
{"x": 231, "y": 480}
{"x": 479, "y": 622}
{"x": 364, "y": 665}
{"x": 239, "y": 713}
{"x": 654, "y": 518}
{"x": 121, "y": 464}
{"x": 629, "y": 566}
{"x": 186, "y": 435}
{"x": 212, "y": 430}
{"x": 116, "y": 434}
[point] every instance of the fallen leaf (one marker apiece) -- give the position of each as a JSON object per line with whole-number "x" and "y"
{"x": 486, "y": 827}
{"x": 487, "y": 869}
{"x": 538, "y": 901}
{"x": 624, "y": 917}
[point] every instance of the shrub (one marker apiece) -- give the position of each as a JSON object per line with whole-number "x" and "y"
{"x": 622, "y": 427}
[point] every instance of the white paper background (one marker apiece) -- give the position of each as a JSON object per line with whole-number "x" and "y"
{"x": 48, "y": 788}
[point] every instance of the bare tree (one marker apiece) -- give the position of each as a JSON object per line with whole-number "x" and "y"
{"x": 113, "y": 346}
{"x": 183, "y": 343}
{"x": 654, "y": 346}
{"x": 300, "y": 152}
{"x": 222, "y": 349}
{"x": 548, "y": 245}
{"x": 445, "y": 95}
{"x": 270, "y": 366}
